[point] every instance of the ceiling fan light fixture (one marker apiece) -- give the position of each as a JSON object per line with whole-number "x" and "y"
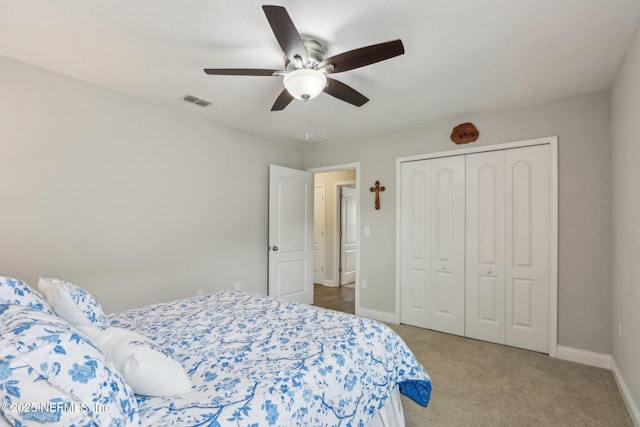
{"x": 305, "y": 83}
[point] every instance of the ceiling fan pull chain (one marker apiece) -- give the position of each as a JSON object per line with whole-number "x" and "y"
{"x": 307, "y": 136}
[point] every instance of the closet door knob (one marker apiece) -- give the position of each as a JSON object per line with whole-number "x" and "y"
{"x": 444, "y": 267}
{"x": 489, "y": 271}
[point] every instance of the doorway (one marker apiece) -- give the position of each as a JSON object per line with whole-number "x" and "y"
{"x": 336, "y": 237}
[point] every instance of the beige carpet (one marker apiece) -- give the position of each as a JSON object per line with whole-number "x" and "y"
{"x": 476, "y": 383}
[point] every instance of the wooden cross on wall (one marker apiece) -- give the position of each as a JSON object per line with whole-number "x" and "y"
{"x": 377, "y": 189}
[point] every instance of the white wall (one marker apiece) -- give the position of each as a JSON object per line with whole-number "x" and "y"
{"x": 582, "y": 125}
{"x": 626, "y": 222}
{"x": 135, "y": 202}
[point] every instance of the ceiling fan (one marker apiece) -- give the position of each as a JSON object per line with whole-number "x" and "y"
{"x": 305, "y": 65}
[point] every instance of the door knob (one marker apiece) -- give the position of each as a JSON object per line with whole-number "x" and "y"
{"x": 444, "y": 267}
{"x": 489, "y": 271}
{"x": 274, "y": 248}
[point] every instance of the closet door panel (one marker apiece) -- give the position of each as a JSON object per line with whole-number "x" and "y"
{"x": 527, "y": 252}
{"x": 485, "y": 247}
{"x": 447, "y": 200}
{"x": 415, "y": 295}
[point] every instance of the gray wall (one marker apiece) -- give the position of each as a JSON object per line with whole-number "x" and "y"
{"x": 137, "y": 203}
{"x": 626, "y": 217}
{"x": 582, "y": 124}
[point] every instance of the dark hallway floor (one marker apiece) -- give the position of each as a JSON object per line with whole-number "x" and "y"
{"x": 335, "y": 298}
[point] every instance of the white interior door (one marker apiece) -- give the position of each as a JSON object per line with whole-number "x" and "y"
{"x": 318, "y": 233}
{"x": 290, "y": 234}
{"x": 348, "y": 234}
{"x": 528, "y": 247}
{"x": 432, "y": 227}
{"x": 485, "y": 247}
{"x": 447, "y": 203}
{"x": 415, "y": 247}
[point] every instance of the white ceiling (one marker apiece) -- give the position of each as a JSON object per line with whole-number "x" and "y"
{"x": 461, "y": 56}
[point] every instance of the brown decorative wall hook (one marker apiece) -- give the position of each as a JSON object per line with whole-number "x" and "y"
{"x": 464, "y": 133}
{"x": 377, "y": 189}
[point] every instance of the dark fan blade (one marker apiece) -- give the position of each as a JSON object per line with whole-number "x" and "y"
{"x": 283, "y": 100}
{"x": 239, "y": 72}
{"x": 285, "y": 32}
{"x": 345, "y": 93}
{"x": 364, "y": 56}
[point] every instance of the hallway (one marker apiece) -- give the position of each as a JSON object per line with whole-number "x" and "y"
{"x": 340, "y": 298}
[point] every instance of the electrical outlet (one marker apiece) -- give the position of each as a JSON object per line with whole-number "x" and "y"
{"x": 237, "y": 286}
{"x": 199, "y": 292}
{"x": 363, "y": 283}
{"x": 620, "y": 331}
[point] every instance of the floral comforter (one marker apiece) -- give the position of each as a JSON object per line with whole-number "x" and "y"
{"x": 259, "y": 361}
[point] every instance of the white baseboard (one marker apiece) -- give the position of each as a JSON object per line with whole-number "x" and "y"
{"x": 585, "y": 357}
{"x": 329, "y": 283}
{"x": 634, "y": 412}
{"x": 381, "y": 316}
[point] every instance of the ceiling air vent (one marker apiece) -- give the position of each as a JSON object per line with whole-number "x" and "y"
{"x": 195, "y": 100}
{"x": 309, "y": 138}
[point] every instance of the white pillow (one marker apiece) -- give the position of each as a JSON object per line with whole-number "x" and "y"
{"x": 72, "y": 303}
{"x": 143, "y": 364}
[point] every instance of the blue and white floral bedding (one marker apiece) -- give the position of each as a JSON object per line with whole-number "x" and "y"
{"x": 259, "y": 361}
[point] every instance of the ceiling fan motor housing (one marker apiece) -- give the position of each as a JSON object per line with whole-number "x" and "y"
{"x": 315, "y": 53}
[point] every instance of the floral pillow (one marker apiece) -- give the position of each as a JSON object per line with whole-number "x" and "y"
{"x": 72, "y": 303}
{"x": 14, "y": 291}
{"x": 50, "y": 373}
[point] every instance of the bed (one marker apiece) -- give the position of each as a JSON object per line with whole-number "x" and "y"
{"x": 253, "y": 360}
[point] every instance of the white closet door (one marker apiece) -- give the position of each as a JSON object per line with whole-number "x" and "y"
{"x": 414, "y": 244}
{"x": 527, "y": 252}
{"x": 485, "y": 247}
{"x": 447, "y": 224}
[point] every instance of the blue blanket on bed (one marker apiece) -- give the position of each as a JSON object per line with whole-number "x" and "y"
{"x": 259, "y": 361}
